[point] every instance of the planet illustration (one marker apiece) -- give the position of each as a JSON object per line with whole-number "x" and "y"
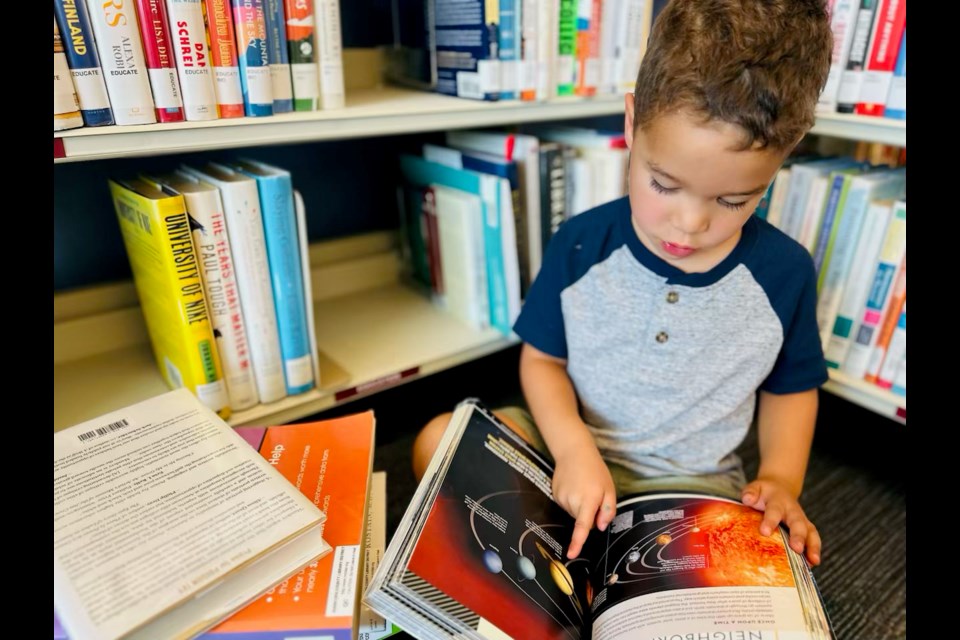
{"x": 613, "y": 578}
{"x": 558, "y": 571}
{"x": 525, "y": 568}
{"x": 633, "y": 556}
{"x": 492, "y": 561}
{"x": 664, "y": 539}
{"x": 695, "y": 529}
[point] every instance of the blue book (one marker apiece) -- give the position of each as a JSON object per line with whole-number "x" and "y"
{"x": 897, "y": 99}
{"x": 468, "y": 43}
{"x": 283, "y": 256}
{"x": 279, "y": 56}
{"x": 422, "y": 172}
{"x": 251, "y": 28}
{"x": 509, "y": 45}
{"x": 76, "y": 33}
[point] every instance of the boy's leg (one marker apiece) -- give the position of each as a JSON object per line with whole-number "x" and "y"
{"x": 429, "y": 437}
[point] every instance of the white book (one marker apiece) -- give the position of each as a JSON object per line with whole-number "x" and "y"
{"x": 460, "y": 227}
{"x": 304, "y": 243}
{"x": 166, "y": 521}
{"x": 329, "y": 54}
{"x": 892, "y": 254}
{"x": 842, "y": 24}
{"x": 218, "y": 271}
{"x": 511, "y": 259}
{"x": 241, "y": 204}
{"x": 124, "y": 67}
{"x": 530, "y": 41}
{"x": 893, "y": 307}
{"x": 194, "y": 65}
{"x": 852, "y": 79}
{"x": 548, "y": 26}
{"x": 801, "y": 180}
{"x": 896, "y": 351}
{"x": 579, "y": 185}
{"x": 637, "y": 23}
{"x": 900, "y": 378}
{"x": 813, "y": 212}
{"x": 837, "y": 309}
{"x": 781, "y": 185}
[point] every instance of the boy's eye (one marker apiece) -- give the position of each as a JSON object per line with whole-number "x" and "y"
{"x": 659, "y": 188}
{"x": 732, "y": 205}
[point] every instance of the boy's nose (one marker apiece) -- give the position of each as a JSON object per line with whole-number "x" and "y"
{"x": 692, "y": 219}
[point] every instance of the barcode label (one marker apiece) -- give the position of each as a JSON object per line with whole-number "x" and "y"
{"x": 104, "y": 430}
{"x": 468, "y": 85}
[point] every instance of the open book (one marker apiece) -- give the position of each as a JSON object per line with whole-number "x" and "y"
{"x": 480, "y": 553}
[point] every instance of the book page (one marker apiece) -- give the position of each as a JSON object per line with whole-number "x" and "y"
{"x": 154, "y": 504}
{"x": 494, "y": 541}
{"x": 684, "y": 565}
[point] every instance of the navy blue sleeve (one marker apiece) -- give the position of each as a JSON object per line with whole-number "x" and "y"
{"x": 800, "y": 366}
{"x": 540, "y": 323}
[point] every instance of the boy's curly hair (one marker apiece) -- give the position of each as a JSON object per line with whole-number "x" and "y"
{"x": 759, "y": 64}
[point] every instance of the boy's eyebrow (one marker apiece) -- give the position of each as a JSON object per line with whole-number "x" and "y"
{"x": 654, "y": 167}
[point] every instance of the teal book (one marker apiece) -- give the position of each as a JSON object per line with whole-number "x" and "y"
{"x": 283, "y": 256}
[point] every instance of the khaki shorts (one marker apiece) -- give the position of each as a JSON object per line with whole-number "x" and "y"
{"x": 626, "y": 481}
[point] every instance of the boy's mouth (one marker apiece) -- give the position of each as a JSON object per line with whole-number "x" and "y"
{"x": 677, "y": 250}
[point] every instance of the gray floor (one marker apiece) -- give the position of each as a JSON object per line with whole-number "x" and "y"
{"x": 853, "y": 494}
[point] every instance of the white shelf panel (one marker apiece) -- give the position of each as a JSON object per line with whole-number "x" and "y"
{"x": 368, "y": 341}
{"x": 866, "y": 128}
{"x": 368, "y": 113}
{"x": 868, "y": 395}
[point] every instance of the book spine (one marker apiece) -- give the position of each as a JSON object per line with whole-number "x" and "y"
{"x": 251, "y": 32}
{"x": 223, "y": 297}
{"x": 891, "y": 255}
{"x": 283, "y": 256}
{"x": 891, "y": 315}
{"x": 431, "y": 238}
{"x": 829, "y": 214}
{"x": 896, "y": 352}
{"x": 164, "y": 262}
{"x": 566, "y": 47}
{"x": 609, "y": 32}
{"x": 223, "y": 56}
{"x": 278, "y": 56}
{"x": 508, "y": 48}
{"x": 161, "y": 67}
{"x": 896, "y": 106}
{"x": 842, "y": 24}
{"x": 588, "y": 48}
{"x": 468, "y": 61}
{"x": 781, "y": 186}
{"x": 878, "y": 72}
{"x": 304, "y": 243}
{"x": 548, "y": 25}
{"x": 529, "y": 45}
{"x": 193, "y": 59}
{"x": 66, "y": 107}
{"x": 851, "y": 78}
{"x": 638, "y": 17}
{"x": 124, "y": 68}
{"x": 84, "y": 62}
{"x": 303, "y": 61}
{"x": 330, "y": 54}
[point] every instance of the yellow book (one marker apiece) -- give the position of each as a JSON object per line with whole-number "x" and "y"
{"x": 157, "y": 235}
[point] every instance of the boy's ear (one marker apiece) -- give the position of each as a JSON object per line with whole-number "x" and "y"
{"x": 628, "y": 120}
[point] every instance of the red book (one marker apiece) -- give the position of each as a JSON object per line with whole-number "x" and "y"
{"x": 882, "y": 57}
{"x": 161, "y": 66}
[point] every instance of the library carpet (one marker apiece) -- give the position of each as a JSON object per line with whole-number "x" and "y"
{"x": 852, "y": 492}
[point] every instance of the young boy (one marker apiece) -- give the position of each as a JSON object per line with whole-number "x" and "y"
{"x": 656, "y": 319}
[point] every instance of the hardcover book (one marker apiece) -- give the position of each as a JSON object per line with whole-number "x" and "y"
{"x": 482, "y": 555}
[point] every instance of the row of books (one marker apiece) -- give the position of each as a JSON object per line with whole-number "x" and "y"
{"x": 868, "y": 70}
{"x": 281, "y": 476}
{"x": 172, "y": 60}
{"x": 520, "y": 49}
{"x": 852, "y": 217}
{"x": 477, "y": 212}
{"x": 219, "y": 259}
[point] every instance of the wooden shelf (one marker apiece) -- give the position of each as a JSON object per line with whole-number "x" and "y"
{"x": 368, "y": 113}
{"x": 368, "y": 340}
{"x": 866, "y": 128}
{"x": 867, "y": 395}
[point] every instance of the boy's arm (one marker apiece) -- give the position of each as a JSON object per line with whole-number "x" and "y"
{"x": 582, "y": 484}
{"x": 785, "y": 425}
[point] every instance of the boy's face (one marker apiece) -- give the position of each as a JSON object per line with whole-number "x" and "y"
{"x": 691, "y": 191}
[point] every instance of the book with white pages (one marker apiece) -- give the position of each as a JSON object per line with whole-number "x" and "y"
{"x": 241, "y": 204}
{"x": 460, "y": 226}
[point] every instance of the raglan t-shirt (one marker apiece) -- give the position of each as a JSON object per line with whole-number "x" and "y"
{"x": 666, "y": 364}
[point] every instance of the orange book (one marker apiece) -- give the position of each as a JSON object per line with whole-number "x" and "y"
{"x": 331, "y": 462}
{"x": 897, "y": 300}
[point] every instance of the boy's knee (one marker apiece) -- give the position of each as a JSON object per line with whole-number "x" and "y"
{"x": 427, "y": 441}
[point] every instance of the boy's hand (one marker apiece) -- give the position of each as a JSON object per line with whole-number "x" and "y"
{"x": 778, "y": 505}
{"x": 582, "y": 485}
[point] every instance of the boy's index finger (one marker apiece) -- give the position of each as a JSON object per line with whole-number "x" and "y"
{"x": 581, "y": 528}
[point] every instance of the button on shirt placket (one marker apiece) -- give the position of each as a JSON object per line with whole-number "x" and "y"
{"x": 672, "y": 297}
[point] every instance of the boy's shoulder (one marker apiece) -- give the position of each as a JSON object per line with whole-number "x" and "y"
{"x": 775, "y": 252}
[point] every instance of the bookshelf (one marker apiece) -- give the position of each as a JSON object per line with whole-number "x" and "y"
{"x": 373, "y": 331}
